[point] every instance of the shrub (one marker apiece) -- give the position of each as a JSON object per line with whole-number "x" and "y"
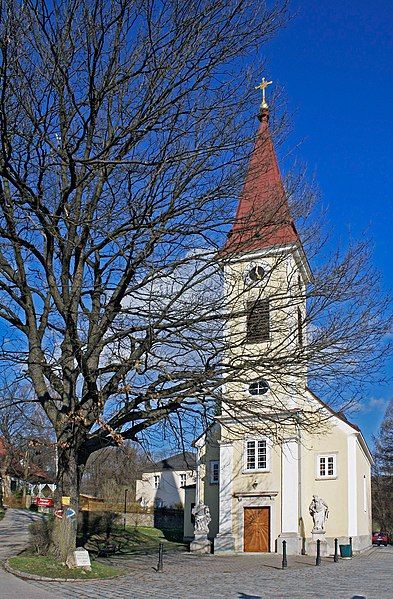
{"x": 40, "y": 535}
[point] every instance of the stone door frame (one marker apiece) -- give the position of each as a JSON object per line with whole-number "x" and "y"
{"x": 244, "y": 502}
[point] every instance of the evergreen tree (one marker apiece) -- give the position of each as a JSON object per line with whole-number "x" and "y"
{"x": 383, "y": 473}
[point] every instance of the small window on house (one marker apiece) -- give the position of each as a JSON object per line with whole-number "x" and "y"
{"x": 327, "y": 466}
{"x": 258, "y": 325}
{"x": 258, "y": 387}
{"x": 156, "y": 481}
{"x": 256, "y": 454}
{"x": 183, "y": 480}
{"x": 300, "y": 327}
{"x": 214, "y": 472}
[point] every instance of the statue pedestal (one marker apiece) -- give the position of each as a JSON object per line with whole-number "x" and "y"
{"x": 317, "y": 535}
{"x": 200, "y": 544}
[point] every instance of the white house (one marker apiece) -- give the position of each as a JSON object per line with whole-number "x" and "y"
{"x": 163, "y": 483}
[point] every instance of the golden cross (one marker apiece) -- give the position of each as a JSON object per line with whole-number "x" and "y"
{"x": 263, "y": 85}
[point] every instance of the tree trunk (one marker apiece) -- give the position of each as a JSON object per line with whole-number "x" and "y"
{"x": 5, "y": 486}
{"x": 68, "y": 480}
{"x": 1, "y": 490}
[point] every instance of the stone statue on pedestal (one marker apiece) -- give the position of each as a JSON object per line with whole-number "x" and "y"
{"x": 319, "y": 511}
{"x": 202, "y": 516}
{"x": 201, "y": 543}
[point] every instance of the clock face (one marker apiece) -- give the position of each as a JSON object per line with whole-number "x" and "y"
{"x": 256, "y": 273}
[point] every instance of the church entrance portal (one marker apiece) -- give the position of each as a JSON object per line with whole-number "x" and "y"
{"x": 256, "y": 529}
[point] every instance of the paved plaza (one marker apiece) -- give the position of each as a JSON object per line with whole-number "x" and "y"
{"x": 187, "y": 576}
{"x": 242, "y": 577}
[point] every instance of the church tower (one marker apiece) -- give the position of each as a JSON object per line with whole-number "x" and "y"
{"x": 266, "y": 273}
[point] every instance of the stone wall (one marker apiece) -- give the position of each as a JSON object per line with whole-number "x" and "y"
{"x": 165, "y": 518}
{"x": 169, "y": 518}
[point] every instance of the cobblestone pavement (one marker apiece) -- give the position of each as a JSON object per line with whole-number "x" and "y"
{"x": 13, "y": 538}
{"x": 14, "y": 531}
{"x": 187, "y": 576}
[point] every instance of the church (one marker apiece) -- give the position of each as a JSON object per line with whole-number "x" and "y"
{"x": 275, "y": 450}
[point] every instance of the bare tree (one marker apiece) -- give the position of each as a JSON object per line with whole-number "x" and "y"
{"x": 111, "y": 470}
{"x": 125, "y": 131}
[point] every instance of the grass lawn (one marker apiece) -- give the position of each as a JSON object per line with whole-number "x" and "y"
{"x": 47, "y": 566}
{"x": 139, "y": 540}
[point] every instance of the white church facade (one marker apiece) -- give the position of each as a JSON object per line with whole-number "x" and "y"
{"x": 258, "y": 468}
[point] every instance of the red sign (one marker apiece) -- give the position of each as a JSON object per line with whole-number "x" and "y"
{"x": 59, "y": 514}
{"x": 44, "y": 502}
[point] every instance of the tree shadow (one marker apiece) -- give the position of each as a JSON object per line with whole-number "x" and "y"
{"x": 101, "y": 534}
{"x": 174, "y": 535}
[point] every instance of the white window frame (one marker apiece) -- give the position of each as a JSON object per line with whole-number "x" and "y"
{"x": 213, "y": 479}
{"x": 258, "y": 382}
{"x": 183, "y": 480}
{"x": 326, "y": 456}
{"x": 156, "y": 481}
{"x": 255, "y": 440}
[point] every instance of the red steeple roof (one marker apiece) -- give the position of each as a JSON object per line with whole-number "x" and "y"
{"x": 263, "y": 218}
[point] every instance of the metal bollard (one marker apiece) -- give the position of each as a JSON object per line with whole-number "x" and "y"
{"x": 284, "y": 555}
{"x": 350, "y": 542}
{"x": 160, "y": 565}
{"x": 335, "y": 559}
{"x": 318, "y": 560}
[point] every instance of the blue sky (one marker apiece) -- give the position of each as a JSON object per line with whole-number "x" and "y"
{"x": 334, "y": 61}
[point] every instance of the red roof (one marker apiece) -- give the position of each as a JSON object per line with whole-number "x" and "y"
{"x": 34, "y": 474}
{"x": 263, "y": 218}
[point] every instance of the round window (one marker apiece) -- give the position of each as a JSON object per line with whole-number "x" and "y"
{"x": 258, "y": 387}
{"x": 256, "y": 273}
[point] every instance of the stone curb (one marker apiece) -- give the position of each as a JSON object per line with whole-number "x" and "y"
{"x": 28, "y": 576}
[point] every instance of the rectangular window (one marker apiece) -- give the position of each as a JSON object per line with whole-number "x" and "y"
{"x": 183, "y": 480}
{"x": 327, "y": 466}
{"x": 256, "y": 455}
{"x": 258, "y": 321}
{"x": 156, "y": 481}
{"x": 214, "y": 472}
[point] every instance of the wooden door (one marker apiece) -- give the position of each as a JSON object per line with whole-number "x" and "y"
{"x": 256, "y": 529}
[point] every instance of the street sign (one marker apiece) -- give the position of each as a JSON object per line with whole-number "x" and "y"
{"x": 44, "y": 502}
{"x": 59, "y": 514}
{"x": 70, "y": 513}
